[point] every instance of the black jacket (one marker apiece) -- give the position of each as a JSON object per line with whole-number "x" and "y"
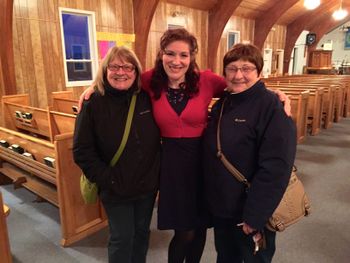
{"x": 98, "y": 132}
{"x": 260, "y": 141}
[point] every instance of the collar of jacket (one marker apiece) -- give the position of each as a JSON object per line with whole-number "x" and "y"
{"x": 259, "y": 85}
{"x": 109, "y": 90}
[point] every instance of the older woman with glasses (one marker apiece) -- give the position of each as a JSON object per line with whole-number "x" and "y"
{"x": 128, "y": 189}
{"x": 259, "y": 139}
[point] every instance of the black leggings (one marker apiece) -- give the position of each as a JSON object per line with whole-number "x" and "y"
{"x": 187, "y": 246}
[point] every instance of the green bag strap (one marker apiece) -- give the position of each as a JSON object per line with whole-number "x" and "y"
{"x": 126, "y": 131}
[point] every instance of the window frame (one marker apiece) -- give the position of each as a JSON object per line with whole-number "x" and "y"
{"x": 92, "y": 45}
{"x": 237, "y": 35}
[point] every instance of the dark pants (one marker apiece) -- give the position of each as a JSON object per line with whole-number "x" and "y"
{"x": 233, "y": 246}
{"x": 129, "y": 230}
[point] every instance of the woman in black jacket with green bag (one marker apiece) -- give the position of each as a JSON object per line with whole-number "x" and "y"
{"x": 128, "y": 189}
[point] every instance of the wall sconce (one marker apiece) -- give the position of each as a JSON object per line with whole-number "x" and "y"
{"x": 340, "y": 13}
{"x": 311, "y": 4}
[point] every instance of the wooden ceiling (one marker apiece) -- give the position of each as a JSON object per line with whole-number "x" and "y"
{"x": 254, "y": 9}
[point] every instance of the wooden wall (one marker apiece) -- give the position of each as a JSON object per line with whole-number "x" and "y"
{"x": 244, "y": 26}
{"x": 276, "y": 39}
{"x": 37, "y": 41}
{"x": 38, "y": 49}
{"x": 195, "y": 21}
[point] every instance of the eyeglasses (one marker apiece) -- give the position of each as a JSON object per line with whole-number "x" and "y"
{"x": 125, "y": 67}
{"x": 244, "y": 69}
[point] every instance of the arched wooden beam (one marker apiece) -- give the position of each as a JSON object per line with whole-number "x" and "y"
{"x": 6, "y": 47}
{"x": 143, "y": 15}
{"x": 264, "y": 23}
{"x": 305, "y": 21}
{"x": 218, "y": 18}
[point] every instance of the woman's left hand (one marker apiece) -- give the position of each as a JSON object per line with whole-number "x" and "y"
{"x": 285, "y": 100}
{"x": 247, "y": 229}
{"x": 85, "y": 96}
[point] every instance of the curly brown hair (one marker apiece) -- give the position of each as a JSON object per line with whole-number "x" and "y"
{"x": 159, "y": 80}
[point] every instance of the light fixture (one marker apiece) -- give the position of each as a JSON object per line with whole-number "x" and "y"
{"x": 340, "y": 13}
{"x": 311, "y": 4}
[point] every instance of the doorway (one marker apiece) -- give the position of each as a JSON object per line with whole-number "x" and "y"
{"x": 267, "y": 62}
{"x": 279, "y": 61}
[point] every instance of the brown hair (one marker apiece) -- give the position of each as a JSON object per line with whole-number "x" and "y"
{"x": 159, "y": 80}
{"x": 245, "y": 52}
{"x": 125, "y": 55}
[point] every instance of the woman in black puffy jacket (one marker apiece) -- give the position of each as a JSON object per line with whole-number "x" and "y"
{"x": 128, "y": 189}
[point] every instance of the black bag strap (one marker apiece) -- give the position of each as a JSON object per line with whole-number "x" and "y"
{"x": 237, "y": 174}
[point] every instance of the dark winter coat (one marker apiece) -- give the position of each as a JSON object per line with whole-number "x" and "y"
{"x": 98, "y": 132}
{"x": 259, "y": 139}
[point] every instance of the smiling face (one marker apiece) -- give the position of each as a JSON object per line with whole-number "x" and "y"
{"x": 240, "y": 75}
{"x": 176, "y": 60}
{"x": 120, "y": 74}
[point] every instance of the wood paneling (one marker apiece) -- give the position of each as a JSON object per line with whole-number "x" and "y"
{"x": 7, "y": 69}
{"x": 144, "y": 11}
{"x": 269, "y": 18}
{"x": 195, "y": 21}
{"x": 218, "y": 18}
{"x": 254, "y": 8}
{"x": 37, "y": 41}
{"x": 196, "y": 4}
{"x": 246, "y": 29}
{"x": 293, "y": 13}
{"x": 276, "y": 37}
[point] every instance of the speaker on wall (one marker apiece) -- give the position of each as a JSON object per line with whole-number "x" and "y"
{"x": 310, "y": 38}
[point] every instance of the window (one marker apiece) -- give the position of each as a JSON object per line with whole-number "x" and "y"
{"x": 79, "y": 48}
{"x": 232, "y": 38}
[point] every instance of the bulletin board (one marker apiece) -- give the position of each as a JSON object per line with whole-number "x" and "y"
{"x": 106, "y": 40}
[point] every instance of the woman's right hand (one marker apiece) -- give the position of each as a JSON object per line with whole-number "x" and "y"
{"x": 85, "y": 96}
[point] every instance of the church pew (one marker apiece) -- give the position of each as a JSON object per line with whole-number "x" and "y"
{"x": 46, "y": 167}
{"x": 315, "y": 104}
{"x": 329, "y": 97}
{"x": 299, "y": 102}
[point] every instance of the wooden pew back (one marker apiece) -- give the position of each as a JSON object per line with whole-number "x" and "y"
{"x": 44, "y": 123}
{"x": 65, "y": 105}
{"x": 15, "y": 119}
{"x": 5, "y": 250}
{"x": 328, "y": 106}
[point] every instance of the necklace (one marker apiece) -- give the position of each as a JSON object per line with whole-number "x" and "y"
{"x": 175, "y": 96}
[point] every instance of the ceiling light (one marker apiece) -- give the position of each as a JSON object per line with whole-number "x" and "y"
{"x": 311, "y": 4}
{"x": 340, "y": 13}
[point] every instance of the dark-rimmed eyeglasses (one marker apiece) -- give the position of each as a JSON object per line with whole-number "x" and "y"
{"x": 125, "y": 67}
{"x": 244, "y": 69}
